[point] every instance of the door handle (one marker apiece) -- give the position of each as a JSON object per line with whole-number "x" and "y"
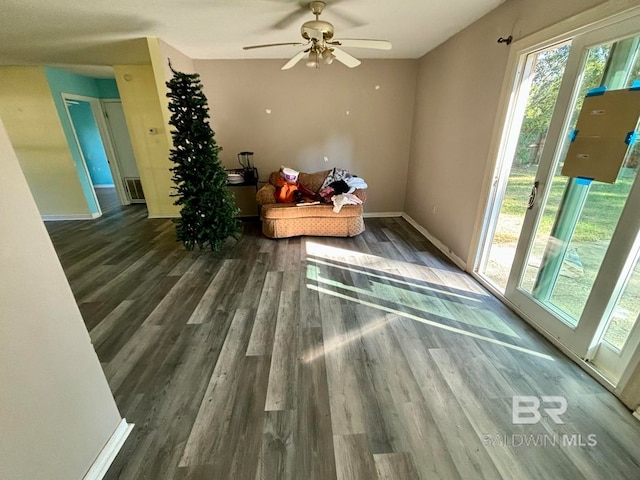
{"x": 533, "y": 195}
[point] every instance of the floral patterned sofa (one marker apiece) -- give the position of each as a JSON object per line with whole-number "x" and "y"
{"x": 282, "y": 220}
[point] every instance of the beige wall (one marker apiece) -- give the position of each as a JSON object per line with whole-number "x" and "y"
{"x": 56, "y": 410}
{"x": 630, "y": 394}
{"x": 179, "y": 60}
{"x": 33, "y": 125}
{"x": 459, "y": 85}
{"x": 309, "y": 120}
{"x": 148, "y": 129}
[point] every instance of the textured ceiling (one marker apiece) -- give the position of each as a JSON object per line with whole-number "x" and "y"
{"x": 94, "y": 32}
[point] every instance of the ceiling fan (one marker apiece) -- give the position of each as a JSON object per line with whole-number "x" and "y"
{"x": 321, "y": 46}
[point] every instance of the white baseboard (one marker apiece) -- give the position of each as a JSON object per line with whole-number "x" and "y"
{"x": 104, "y": 460}
{"x": 71, "y": 216}
{"x": 437, "y": 243}
{"x": 381, "y": 214}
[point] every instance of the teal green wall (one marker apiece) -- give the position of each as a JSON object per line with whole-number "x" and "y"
{"x": 91, "y": 143}
{"x": 61, "y": 82}
{"x": 107, "y": 87}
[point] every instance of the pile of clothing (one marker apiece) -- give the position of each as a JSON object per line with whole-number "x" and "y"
{"x": 338, "y": 188}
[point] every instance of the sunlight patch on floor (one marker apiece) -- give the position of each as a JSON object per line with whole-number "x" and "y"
{"x": 394, "y": 280}
{"x": 430, "y": 304}
{"x": 336, "y": 343}
{"x": 351, "y": 257}
{"x": 429, "y": 322}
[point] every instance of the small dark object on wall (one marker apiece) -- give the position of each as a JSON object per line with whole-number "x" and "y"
{"x": 507, "y": 40}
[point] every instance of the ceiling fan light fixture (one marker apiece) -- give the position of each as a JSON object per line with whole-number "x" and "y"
{"x": 328, "y": 56}
{"x": 312, "y": 62}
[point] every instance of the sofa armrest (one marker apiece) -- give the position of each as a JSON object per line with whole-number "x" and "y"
{"x": 361, "y": 194}
{"x": 266, "y": 195}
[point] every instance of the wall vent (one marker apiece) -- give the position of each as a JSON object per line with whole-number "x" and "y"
{"x": 134, "y": 189}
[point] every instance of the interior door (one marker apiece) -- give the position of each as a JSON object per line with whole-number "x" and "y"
{"x": 577, "y": 236}
{"x": 121, "y": 142}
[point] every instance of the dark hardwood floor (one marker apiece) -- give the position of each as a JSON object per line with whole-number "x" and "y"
{"x": 325, "y": 358}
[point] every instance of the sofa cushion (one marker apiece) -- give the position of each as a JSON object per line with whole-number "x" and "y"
{"x": 313, "y": 181}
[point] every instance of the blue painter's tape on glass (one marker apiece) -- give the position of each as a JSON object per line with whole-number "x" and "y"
{"x": 573, "y": 135}
{"x": 594, "y": 92}
{"x": 631, "y": 138}
{"x": 635, "y": 85}
{"x": 583, "y": 180}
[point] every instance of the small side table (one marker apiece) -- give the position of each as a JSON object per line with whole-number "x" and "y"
{"x": 249, "y": 182}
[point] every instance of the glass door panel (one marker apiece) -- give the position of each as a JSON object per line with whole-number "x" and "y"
{"x": 576, "y": 226}
{"x": 620, "y": 337}
{"x": 589, "y": 243}
{"x": 560, "y": 274}
{"x": 625, "y": 312}
{"x": 550, "y": 257}
{"x": 537, "y": 95}
{"x": 563, "y": 249}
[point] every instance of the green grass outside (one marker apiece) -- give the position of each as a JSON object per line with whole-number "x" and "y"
{"x": 601, "y": 211}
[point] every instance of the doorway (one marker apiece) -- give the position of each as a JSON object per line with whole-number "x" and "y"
{"x": 123, "y": 151}
{"x": 92, "y": 151}
{"x": 563, "y": 250}
{"x": 98, "y": 151}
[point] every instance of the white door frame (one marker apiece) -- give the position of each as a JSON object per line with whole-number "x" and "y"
{"x": 114, "y": 165}
{"x": 83, "y": 160}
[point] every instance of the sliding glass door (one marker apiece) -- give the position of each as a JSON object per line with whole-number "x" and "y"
{"x": 570, "y": 261}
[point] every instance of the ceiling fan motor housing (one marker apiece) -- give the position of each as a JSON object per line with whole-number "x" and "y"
{"x": 309, "y": 28}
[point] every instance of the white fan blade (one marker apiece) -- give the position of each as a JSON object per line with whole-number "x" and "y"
{"x": 345, "y": 58}
{"x": 292, "y": 17}
{"x": 250, "y": 47}
{"x": 363, "y": 43}
{"x": 291, "y": 63}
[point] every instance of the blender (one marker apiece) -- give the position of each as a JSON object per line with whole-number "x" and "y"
{"x": 245, "y": 159}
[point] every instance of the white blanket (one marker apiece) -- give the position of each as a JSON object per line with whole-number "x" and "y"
{"x": 344, "y": 199}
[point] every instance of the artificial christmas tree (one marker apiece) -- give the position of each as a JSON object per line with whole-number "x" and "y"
{"x": 208, "y": 214}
